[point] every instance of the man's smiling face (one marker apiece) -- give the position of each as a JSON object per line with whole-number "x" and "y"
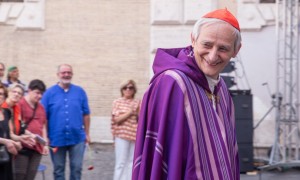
{"x": 214, "y": 48}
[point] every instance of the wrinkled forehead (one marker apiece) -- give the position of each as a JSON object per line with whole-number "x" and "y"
{"x": 220, "y": 26}
{"x": 65, "y": 68}
{"x": 220, "y": 31}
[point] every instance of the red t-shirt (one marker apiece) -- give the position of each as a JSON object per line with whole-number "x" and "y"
{"x": 36, "y": 123}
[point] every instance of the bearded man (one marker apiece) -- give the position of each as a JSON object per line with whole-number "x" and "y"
{"x": 68, "y": 115}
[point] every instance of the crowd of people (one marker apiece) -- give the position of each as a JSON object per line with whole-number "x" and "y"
{"x": 36, "y": 121}
{"x": 183, "y": 128}
{"x": 22, "y": 120}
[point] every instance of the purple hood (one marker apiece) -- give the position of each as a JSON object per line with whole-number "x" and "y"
{"x": 179, "y": 59}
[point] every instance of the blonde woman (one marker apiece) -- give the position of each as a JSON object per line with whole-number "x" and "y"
{"x": 5, "y": 141}
{"x": 124, "y": 125}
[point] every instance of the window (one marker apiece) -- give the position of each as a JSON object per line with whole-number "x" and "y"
{"x": 15, "y": 12}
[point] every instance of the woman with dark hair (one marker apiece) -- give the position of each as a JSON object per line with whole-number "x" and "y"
{"x": 124, "y": 125}
{"x": 6, "y": 144}
{"x": 34, "y": 116}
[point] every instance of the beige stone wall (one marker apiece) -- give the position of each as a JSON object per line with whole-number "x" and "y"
{"x": 105, "y": 41}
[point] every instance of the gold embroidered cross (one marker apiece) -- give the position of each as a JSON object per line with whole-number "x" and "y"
{"x": 212, "y": 96}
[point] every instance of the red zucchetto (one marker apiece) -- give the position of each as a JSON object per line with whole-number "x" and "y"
{"x": 225, "y": 15}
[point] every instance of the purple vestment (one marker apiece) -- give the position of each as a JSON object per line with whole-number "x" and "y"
{"x": 180, "y": 135}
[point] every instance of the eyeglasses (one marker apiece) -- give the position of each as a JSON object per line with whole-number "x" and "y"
{"x": 66, "y": 72}
{"x": 128, "y": 87}
{"x": 2, "y": 94}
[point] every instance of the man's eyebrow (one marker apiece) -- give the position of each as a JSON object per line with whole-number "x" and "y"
{"x": 205, "y": 42}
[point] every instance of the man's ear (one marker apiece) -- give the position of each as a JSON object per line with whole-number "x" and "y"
{"x": 237, "y": 51}
{"x": 193, "y": 41}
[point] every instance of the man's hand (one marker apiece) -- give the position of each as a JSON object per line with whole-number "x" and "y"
{"x": 45, "y": 150}
{"x": 87, "y": 139}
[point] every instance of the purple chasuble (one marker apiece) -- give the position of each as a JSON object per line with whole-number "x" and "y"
{"x": 180, "y": 135}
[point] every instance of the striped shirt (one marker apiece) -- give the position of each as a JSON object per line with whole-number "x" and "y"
{"x": 126, "y": 129}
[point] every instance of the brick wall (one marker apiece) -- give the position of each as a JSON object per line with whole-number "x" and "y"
{"x": 106, "y": 42}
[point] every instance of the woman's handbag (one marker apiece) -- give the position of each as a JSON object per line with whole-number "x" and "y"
{"x": 4, "y": 156}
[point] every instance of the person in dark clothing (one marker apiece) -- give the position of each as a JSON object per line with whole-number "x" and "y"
{"x": 6, "y": 143}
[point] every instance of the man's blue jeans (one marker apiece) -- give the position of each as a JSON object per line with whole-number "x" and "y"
{"x": 76, "y": 155}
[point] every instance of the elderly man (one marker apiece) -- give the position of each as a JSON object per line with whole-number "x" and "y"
{"x": 68, "y": 117}
{"x": 186, "y": 126}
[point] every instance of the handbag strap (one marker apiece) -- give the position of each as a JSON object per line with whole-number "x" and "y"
{"x": 33, "y": 114}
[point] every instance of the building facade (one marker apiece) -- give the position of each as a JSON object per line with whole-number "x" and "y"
{"x": 109, "y": 41}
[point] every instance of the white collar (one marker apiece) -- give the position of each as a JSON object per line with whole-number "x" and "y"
{"x": 212, "y": 83}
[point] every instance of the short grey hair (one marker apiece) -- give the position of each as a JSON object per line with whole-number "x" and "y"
{"x": 203, "y": 21}
{"x": 58, "y": 68}
{"x": 16, "y": 85}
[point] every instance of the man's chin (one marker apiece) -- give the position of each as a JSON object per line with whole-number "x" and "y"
{"x": 65, "y": 82}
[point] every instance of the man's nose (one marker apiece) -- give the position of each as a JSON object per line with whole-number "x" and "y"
{"x": 213, "y": 55}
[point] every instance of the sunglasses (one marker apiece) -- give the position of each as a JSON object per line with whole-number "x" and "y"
{"x": 128, "y": 87}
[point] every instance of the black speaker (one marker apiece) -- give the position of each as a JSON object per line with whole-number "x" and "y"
{"x": 243, "y": 104}
{"x": 246, "y": 157}
{"x": 229, "y": 81}
{"x": 242, "y": 100}
{"x": 244, "y": 132}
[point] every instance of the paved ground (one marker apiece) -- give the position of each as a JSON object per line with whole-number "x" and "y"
{"x": 103, "y": 162}
{"x": 102, "y": 159}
